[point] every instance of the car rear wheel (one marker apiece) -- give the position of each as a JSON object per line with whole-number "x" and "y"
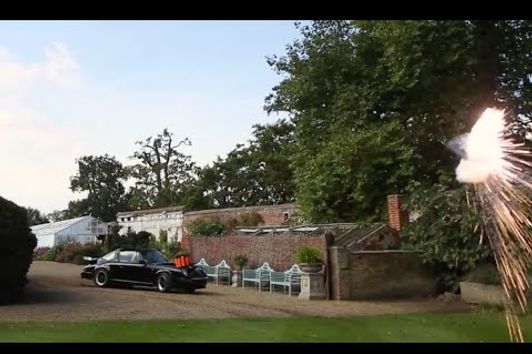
{"x": 101, "y": 278}
{"x": 164, "y": 282}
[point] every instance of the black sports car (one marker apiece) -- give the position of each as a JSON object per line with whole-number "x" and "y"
{"x": 146, "y": 267}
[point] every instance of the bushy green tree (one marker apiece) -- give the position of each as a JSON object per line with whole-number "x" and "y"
{"x": 446, "y": 233}
{"x": 256, "y": 173}
{"x": 420, "y": 82}
{"x": 161, "y": 172}
{"x": 101, "y": 177}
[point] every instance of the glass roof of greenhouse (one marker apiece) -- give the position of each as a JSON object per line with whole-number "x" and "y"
{"x": 53, "y": 227}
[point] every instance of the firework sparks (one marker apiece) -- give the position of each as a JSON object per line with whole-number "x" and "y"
{"x": 498, "y": 170}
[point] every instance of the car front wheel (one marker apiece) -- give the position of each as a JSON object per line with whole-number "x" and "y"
{"x": 101, "y": 278}
{"x": 164, "y": 282}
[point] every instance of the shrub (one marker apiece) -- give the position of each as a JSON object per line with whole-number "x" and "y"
{"x": 229, "y": 225}
{"x": 446, "y": 233}
{"x": 142, "y": 239}
{"x": 78, "y": 259}
{"x": 70, "y": 250}
{"x": 308, "y": 255}
{"x": 39, "y": 252}
{"x": 172, "y": 249}
{"x": 51, "y": 254}
{"x": 154, "y": 243}
{"x": 163, "y": 236}
{"x": 16, "y": 249}
{"x": 240, "y": 261}
{"x": 206, "y": 227}
{"x": 131, "y": 240}
{"x": 251, "y": 219}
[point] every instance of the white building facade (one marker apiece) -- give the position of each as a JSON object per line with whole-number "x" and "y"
{"x": 169, "y": 220}
{"x": 83, "y": 230}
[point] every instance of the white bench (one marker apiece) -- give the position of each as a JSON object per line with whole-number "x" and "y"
{"x": 290, "y": 278}
{"x": 220, "y": 271}
{"x": 258, "y": 276}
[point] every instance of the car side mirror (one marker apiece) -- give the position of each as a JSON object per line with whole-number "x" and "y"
{"x": 142, "y": 261}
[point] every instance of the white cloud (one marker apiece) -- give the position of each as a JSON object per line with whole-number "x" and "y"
{"x": 60, "y": 66}
{"x": 36, "y": 154}
{"x": 15, "y": 76}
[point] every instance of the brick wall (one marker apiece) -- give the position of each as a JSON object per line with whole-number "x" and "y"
{"x": 271, "y": 214}
{"x": 378, "y": 275}
{"x": 278, "y": 250}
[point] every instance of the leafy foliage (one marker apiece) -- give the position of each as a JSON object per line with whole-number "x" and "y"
{"x": 39, "y": 251}
{"x": 418, "y": 81}
{"x": 101, "y": 177}
{"x": 35, "y": 217}
{"x": 16, "y": 249}
{"x": 309, "y": 255}
{"x": 114, "y": 240}
{"x": 58, "y": 215}
{"x": 51, "y": 254}
{"x": 206, "y": 227}
{"x": 240, "y": 261}
{"x": 161, "y": 172}
{"x": 250, "y": 219}
{"x": 73, "y": 252}
{"x": 445, "y": 233}
{"x": 256, "y": 173}
{"x": 348, "y": 179}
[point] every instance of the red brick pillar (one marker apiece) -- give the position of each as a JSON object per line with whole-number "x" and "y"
{"x": 397, "y": 217}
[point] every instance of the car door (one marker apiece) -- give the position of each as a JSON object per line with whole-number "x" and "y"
{"x": 110, "y": 261}
{"x": 129, "y": 267}
{"x": 147, "y": 271}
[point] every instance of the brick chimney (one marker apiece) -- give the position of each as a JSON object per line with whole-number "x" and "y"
{"x": 397, "y": 218}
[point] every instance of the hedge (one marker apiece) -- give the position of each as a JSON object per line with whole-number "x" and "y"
{"x": 16, "y": 250}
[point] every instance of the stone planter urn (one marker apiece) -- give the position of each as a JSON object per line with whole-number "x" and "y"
{"x": 311, "y": 267}
{"x": 236, "y": 279}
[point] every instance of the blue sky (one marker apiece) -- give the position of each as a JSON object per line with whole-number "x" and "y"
{"x": 73, "y": 88}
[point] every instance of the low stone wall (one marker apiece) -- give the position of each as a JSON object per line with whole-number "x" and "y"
{"x": 378, "y": 275}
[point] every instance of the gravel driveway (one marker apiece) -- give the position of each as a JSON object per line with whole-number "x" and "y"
{"x": 56, "y": 292}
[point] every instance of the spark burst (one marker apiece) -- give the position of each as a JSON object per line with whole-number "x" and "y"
{"x": 497, "y": 170}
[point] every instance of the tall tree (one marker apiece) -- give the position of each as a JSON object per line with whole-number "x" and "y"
{"x": 402, "y": 87}
{"x": 256, "y": 173}
{"x": 101, "y": 178}
{"x": 160, "y": 173}
{"x": 57, "y": 215}
{"x": 35, "y": 217}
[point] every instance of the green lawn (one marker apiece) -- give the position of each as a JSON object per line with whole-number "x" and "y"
{"x": 480, "y": 327}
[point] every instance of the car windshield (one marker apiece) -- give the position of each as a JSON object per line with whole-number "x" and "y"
{"x": 154, "y": 257}
{"x": 110, "y": 256}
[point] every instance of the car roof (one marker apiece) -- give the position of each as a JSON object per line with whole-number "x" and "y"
{"x": 134, "y": 249}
